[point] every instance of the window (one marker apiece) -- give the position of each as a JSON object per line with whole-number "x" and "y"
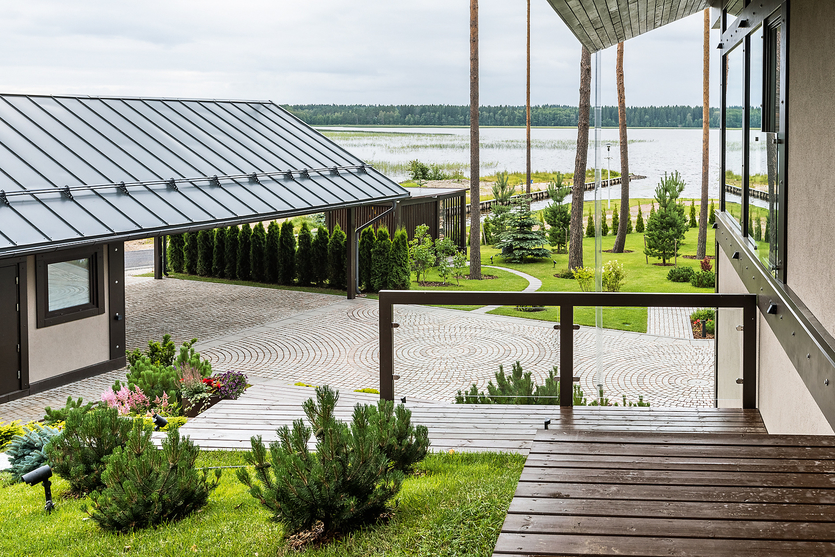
{"x": 69, "y": 285}
{"x": 734, "y": 121}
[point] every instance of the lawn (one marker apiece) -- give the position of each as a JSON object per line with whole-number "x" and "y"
{"x": 454, "y": 505}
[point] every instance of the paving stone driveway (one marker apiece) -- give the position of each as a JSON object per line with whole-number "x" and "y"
{"x": 318, "y": 338}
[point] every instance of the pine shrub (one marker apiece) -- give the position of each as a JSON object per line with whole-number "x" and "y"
{"x": 52, "y": 417}
{"x": 639, "y": 223}
{"x": 400, "y": 274}
{"x": 159, "y": 353}
{"x": 381, "y": 260}
{"x": 145, "y": 486}
{"x": 320, "y": 255}
{"x": 256, "y": 252}
{"x": 191, "y": 251}
{"x": 26, "y": 451}
{"x": 680, "y": 274}
{"x": 604, "y": 226}
{"x": 271, "y": 252}
{"x": 615, "y": 221}
{"x": 336, "y": 259}
{"x": 367, "y": 239}
{"x": 219, "y": 253}
{"x": 304, "y": 256}
{"x": 703, "y": 279}
{"x": 590, "y": 231}
{"x": 244, "y": 269}
{"x": 231, "y": 259}
{"x": 157, "y": 379}
{"x": 345, "y": 483}
{"x": 403, "y": 444}
{"x": 287, "y": 254}
{"x": 205, "y": 245}
{"x": 176, "y": 253}
{"x": 516, "y": 388}
{"x": 80, "y": 452}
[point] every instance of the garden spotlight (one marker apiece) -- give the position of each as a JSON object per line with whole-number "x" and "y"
{"x": 159, "y": 422}
{"x": 42, "y": 475}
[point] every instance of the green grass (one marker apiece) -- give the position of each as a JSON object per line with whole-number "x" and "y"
{"x": 455, "y": 508}
{"x": 504, "y": 281}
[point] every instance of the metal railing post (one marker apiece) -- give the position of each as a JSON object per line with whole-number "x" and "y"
{"x": 749, "y": 353}
{"x": 386, "y": 348}
{"x": 566, "y": 355}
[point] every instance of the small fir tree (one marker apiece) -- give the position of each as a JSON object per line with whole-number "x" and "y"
{"x": 191, "y": 252}
{"x": 711, "y": 219}
{"x": 521, "y": 242}
{"x": 287, "y": 254}
{"x": 615, "y": 221}
{"x": 271, "y": 252}
{"x": 667, "y": 226}
{"x": 639, "y": 223}
{"x": 400, "y": 273}
{"x": 244, "y": 271}
{"x": 758, "y": 229}
{"x": 205, "y": 245}
{"x": 219, "y": 253}
{"x": 336, "y": 259}
{"x": 231, "y": 259}
{"x": 257, "y": 243}
{"x": 629, "y": 223}
{"x": 320, "y": 255}
{"x": 304, "y": 256}
{"x": 590, "y": 229}
{"x": 604, "y": 225}
{"x": 693, "y": 222}
{"x": 367, "y": 239}
{"x": 381, "y": 260}
{"x": 176, "y": 253}
{"x": 558, "y": 216}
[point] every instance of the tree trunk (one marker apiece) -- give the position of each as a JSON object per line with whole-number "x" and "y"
{"x": 575, "y": 249}
{"x": 701, "y": 245}
{"x": 620, "y": 239}
{"x": 475, "y": 198}
{"x": 528, "y": 110}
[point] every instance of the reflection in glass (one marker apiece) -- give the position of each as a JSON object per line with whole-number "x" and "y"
{"x": 757, "y": 142}
{"x": 770, "y": 254}
{"x": 734, "y": 112}
{"x": 68, "y": 283}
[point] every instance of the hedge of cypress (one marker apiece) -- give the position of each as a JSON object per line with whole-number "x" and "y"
{"x": 304, "y": 256}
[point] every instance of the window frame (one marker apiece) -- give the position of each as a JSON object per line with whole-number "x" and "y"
{"x": 95, "y": 306}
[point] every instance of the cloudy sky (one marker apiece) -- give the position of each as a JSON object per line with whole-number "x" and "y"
{"x": 326, "y": 51}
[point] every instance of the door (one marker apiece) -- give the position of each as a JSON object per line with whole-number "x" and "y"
{"x": 9, "y": 330}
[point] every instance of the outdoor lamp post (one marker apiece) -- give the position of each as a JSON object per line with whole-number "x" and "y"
{"x": 42, "y": 475}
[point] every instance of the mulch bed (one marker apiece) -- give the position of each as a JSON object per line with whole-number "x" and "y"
{"x": 435, "y": 283}
{"x": 694, "y": 257}
{"x": 697, "y": 331}
{"x": 664, "y": 264}
{"x": 624, "y": 251}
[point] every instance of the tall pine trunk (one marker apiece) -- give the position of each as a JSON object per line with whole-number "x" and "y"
{"x": 475, "y": 198}
{"x": 528, "y": 111}
{"x": 620, "y": 240}
{"x": 701, "y": 245}
{"x": 575, "y": 249}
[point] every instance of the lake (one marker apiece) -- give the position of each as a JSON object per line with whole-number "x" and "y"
{"x": 652, "y": 152}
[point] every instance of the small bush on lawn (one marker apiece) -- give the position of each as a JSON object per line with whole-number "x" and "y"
{"x": 9, "y": 431}
{"x": 585, "y": 278}
{"x": 703, "y": 279}
{"x": 80, "y": 452}
{"x": 26, "y": 451}
{"x": 52, "y": 417}
{"x": 681, "y": 274}
{"x": 613, "y": 276}
{"x": 345, "y": 484}
{"x": 145, "y": 486}
{"x": 404, "y": 444}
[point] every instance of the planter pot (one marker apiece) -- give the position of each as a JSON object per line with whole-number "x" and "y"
{"x": 192, "y": 412}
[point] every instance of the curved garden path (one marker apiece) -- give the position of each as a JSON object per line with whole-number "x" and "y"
{"x": 534, "y": 284}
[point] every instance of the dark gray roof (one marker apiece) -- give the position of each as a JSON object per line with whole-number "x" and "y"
{"x": 77, "y": 170}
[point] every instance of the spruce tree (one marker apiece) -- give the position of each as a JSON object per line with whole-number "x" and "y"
{"x": 205, "y": 245}
{"x": 590, "y": 231}
{"x": 367, "y": 239}
{"x": 320, "y": 255}
{"x": 256, "y": 252}
{"x": 693, "y": 222}
{"x": 400, "y": 273}
{"x": 615, "y": 221}
{"x": 667, "y": 226}
{"x": 336, "y": 259}
{"x": 639, "y": 223}
{"x": 244, "y": 271}
{"x": 520, "y": 241}
{"x": 558, "y": 217}
{"x": 191, "y": 252}
{"x": 604, "y": 225}
{"x": 176, "y": 254}
{"x": 271, "y": 252}
{"x": 381, "y": 260}
{"x": 231, "y": 260}
{"x": 304, "y": 256}
{"x": 287, "y": 254}
{"x": 219, "y": 253}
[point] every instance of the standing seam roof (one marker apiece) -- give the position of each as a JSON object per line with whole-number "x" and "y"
{"x": 77, "y": 170}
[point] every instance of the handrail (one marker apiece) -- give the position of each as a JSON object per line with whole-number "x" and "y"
{"x": 567, "y": 301}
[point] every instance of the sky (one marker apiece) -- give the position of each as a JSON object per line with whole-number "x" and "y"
{"x": 329, "y": 51}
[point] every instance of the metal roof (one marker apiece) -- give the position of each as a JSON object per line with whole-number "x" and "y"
{"x": 77, "y": 170}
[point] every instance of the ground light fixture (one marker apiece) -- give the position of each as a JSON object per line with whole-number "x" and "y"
{"x": 159, "y": 422}
{"x": 42, "y": 475}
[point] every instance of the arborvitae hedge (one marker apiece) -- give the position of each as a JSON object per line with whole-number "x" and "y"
{"x": 219, "y": 253}
{"x": 590, "y": 232}
{"x": 271, "y": 252}
{"x": 367, "y": 239}
{"x": 381, "y": 260}
{"x": 176, "y": 254}
{"x": 231, "y": 258}
{"x": 191, "y": 253}
{"x": 604, "y": 225}
{"x": 400, "y": 272}
{"x": 615, "y": 221}
{"x": 639, "y": 224}
{"x": 286, "y": 254}
{"x": 256, "y": 252}
{"x": 336, "y": 259}
{"x": 244, "y": 271}
{"x": 321, "y": 244}
{"x": 693, "y": 222}
{"x": 205, "y": 245}
{"x": 629, "y": 224}
{"x": 304, "y": 256}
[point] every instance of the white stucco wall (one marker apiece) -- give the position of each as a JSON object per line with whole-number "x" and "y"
{"x": 69, "y": 346}
{"x": 728, "y": 340}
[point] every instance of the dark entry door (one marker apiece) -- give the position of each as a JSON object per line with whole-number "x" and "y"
{"x": 9, "y": 330}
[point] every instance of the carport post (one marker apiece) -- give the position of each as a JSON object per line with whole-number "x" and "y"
{"x": 352, "y": 267}
{"x": 159, "y": 254}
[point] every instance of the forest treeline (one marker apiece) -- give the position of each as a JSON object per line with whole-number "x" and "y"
{"x": 543, "y": 115}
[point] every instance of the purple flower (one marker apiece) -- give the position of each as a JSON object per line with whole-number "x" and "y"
{"x": 232, "y": 384}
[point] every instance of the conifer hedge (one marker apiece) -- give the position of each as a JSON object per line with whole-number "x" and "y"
{"x": 304, "y": 256}
{"x": 219, "y": 253}
{"x": 321, "y": 244}
{"x": 271, "y": 252}
{"x": 244, "y": 271}
{"x": 231, "y": 259}
{"x": 336, "y": 259}
{"x": 191, "y": 251}
{"x": 205, "y": 245}
{"x": 176, "y": 254}
{"x": 287, "y": 254}
{"x": 367, "y": 239}
{"x": 400, "y": 272}
{"x": 256, "y": 252}
{"x": 381, "y": 260}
